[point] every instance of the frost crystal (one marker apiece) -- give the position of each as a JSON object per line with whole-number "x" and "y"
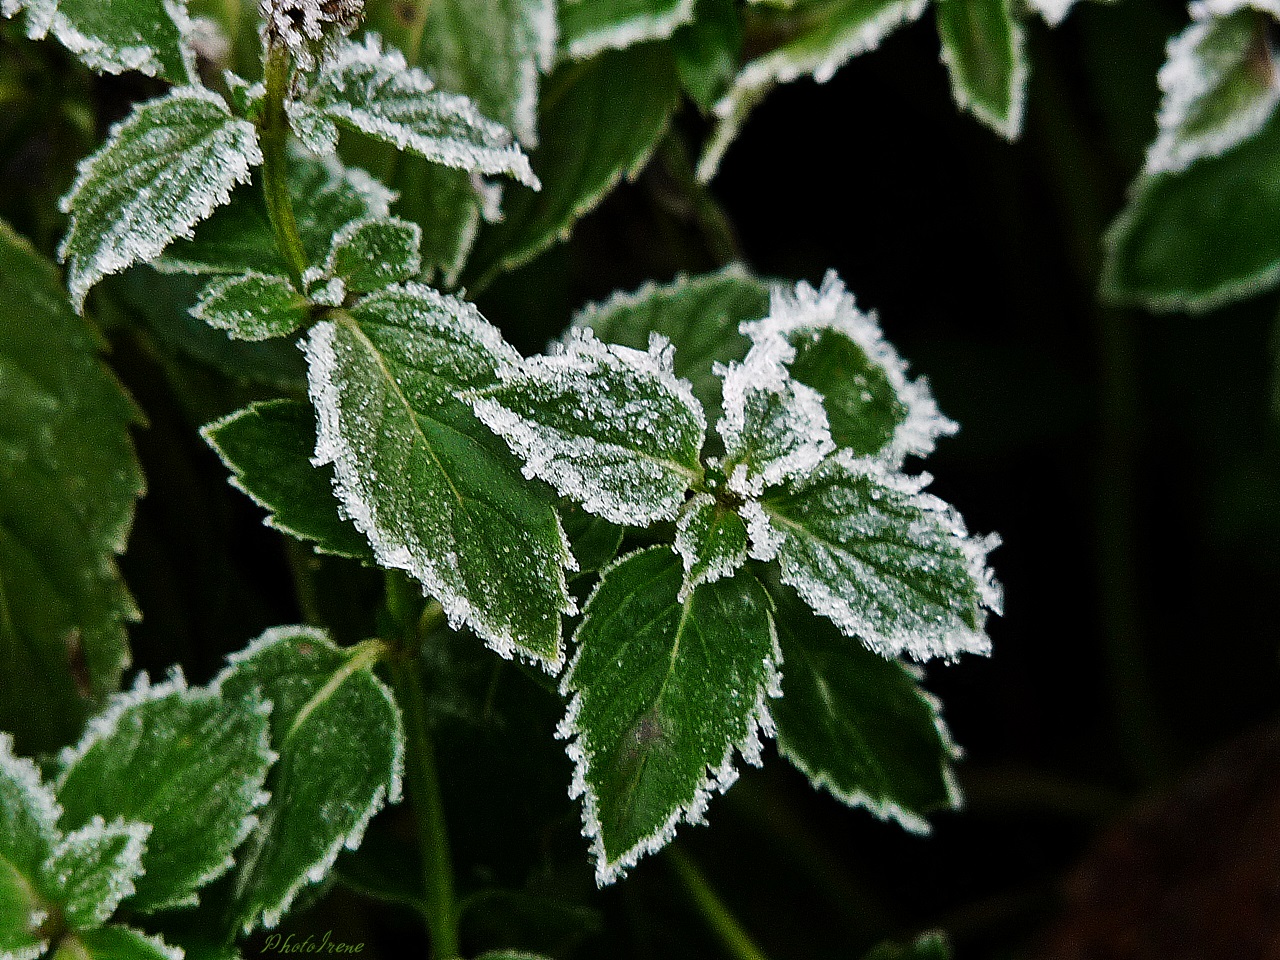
{"x": 305, "y": 25}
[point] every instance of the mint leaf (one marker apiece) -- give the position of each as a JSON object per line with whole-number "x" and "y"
{"x": 601, "y": 121}
{"x": 1220, "y": 86}
{"x": 663, "y": 693}
{"x": 593, "y": 540}
{"x": 181, "y": 760}
{"x": 268, "y": 446}
{"x": 162, "y": 171}
{"x": 340, "y": 742}
{"x": 434, "y": 491}
{"x": 449, "y": 205}
{"x": 66, "y": 434}
{"x": 1202, "y": 237}
{"x": 610, "y": 427}
{"x": 885, "y": 562}
{"x": 711, "y": 539}
{"x": 858, "y": 725}
{"x": 590, "y": 26}
{"x": 379, "y": 94}
{"x": 699, "y": 315}
{"x": 252, "y": 306}
{"x": 28, "y": 835}
{"x": 707, "y": 51}
{"x": 94, "y": 868}
{"x": 831, "y": 346}
{"x": 112, "y": 36}
{"x": 114, "y": 943}
{"x": 982, "y": 46}
{"x": 372, "y": 253}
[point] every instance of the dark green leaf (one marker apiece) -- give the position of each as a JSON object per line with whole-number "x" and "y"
{"x": 114, "y": 943}
{"x": 712, "y": 542}
{"x": 590, "y": 26}
{"x": 929, "y": 946}
{"x": 593, "y": 540}
{"x": 112, "y": 36}
{"x": 982, "y": 46}
{"x": 707, "y": 51}
{"x": 28, "y": 835}
{"x": 252, "y": 306}
{"x": 374, "y": 253}
{"x": 94, "y": 868}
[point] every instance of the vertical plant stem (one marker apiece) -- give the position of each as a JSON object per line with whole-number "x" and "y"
{"x": 273, "y": 131}
{"x": 440, "y": 905}
{"x": 735, "y": 940}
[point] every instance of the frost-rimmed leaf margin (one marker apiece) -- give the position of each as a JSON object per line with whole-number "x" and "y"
{"x": 117, "y": 942}
{"x": 29, "y": 814}
{"x": 639, "y": 27}
{"x": 707, "y": 539}
{"x": 116, "y": 874}
{"x": 252, "y": 306}
{"x": 750, "y": 746}
{"x": 1006, "y": 118}
{"x": 131, "y": 228}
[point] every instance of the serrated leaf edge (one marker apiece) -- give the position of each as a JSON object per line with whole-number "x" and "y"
{"x": 688, "y": 550}
{"x": 99, "y": 56}
{"x": 1009, "y": 125}
{"x": 136, "y": 834}
{"x": 640, "y": 28}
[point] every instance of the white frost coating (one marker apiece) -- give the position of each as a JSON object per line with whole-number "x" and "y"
{"x": 350, "y": 232}
{"x": 91, "y": 843}
{"x": 38, "y": 797}
{"x": 693, "y": 540}
{"x": 641, "y": 27}
{"x": 1008, "y": 124}
{"x": 166, "y": 202}
{"x": 1197, "y": 63}
{"x": 304, "y": 26}
{"x": 832, "y": 307}
{"x": 100, "y": 54}
{"x": 1052, "y": 11}
{"x": 764, "y": 538}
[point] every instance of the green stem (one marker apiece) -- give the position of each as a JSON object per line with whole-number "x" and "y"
{"x": 440, "y": 905}
{"x": 736, "y": 941}
{"x": 273, "y": 131}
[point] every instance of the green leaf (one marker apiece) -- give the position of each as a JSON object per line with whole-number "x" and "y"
{"x": 181, "y": 760}
{"x": 68, "y": 481}
{"x": 114, "y": 943}
{"x": 340, "y": 742}
{"x": 28, "y": 835}
{"x": 664, "y": 693}
{"x": 162, "y": 171}
{"x": 609, "y": 427}
{"x": 831, "y": 33}
{"x": 707, "y": 51}
{"x": 699, "y": 315}
{"x": 929, "y": 946}
{"x": 593, "y": 540}
{"x": 1220, "y": 86}
{"x": 589, "y": 26}
{"x": 434, "y": 491}
{"x": 885, "y": 562}
{"x": 378, "y": 93}
{"x": 252, "y": 306}
{"x": 601, "y": 121}
{"x": 449, "y": 206}
{"x": 1202, "y": 237}
{"x": 373, "y": 253}
{"x": 711, "y": 539}
{"x": 268, "y": 446}
{"x": 326, "y": 196}
{"x": 831, "y": 346}
{"x": 94, "y": 868}
{"x": 112, "y": 36}
{"x": 859, "y": 725}
{"x": 982, "y": 46}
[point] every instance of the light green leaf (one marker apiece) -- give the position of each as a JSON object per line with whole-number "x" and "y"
{"x": 1202, "y": 237}
{"x": 590, "y": 26}
{"x": 181, "y": 760}
{"x": 28, "y": 835}
{"x": 94, "y": 868}
{"x": 112, "y": 36}
{"x": 373, "y": 253}
{"x": 982, "y": 46}
{"x": 114, "y": 943}
{"x": 712, "y": 542}
{"x": 252, "y": 306}
{"x": 884, "y": 561}
{"x": 601, "y": 121}
{"x": 707, "y": 51}
{"x": 610, "y": 427}
{"x": 162, "y": 171}
{"x": 268, "y": 446}
{"x": 832, "y": 33}
{"x": 831, "y": 346}
{"x": 376, "y": 92}
{"x": 929, "y": 946}
{"x": 663, "y": 695}
{"x": 340, "y": 742}
{"x": 434, "y": 491}
{"x": 1220, "y": 84}
{"x": 859, "y": 725}
{"x": 699, "y": 315}
{"x": 68, "y": 481}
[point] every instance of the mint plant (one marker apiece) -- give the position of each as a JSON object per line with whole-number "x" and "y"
{"x": 703, "y": 485}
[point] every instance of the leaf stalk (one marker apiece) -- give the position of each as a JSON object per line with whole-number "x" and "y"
{"x": 273, "y": 131}
{"x": 735, "y": 940}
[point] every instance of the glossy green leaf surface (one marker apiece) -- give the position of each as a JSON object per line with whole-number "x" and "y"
{"x": 708, "y": 50}
{"x": 371, "y": 254}
{"x": 112, "y": 36}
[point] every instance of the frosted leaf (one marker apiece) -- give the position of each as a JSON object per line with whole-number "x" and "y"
{"x": 94, "y": 868}
{"x": 433, "y": 490}
{"x": 774, "y": 428}
{"x": 40, "y": 14}
{"x": 372, "y": 253}
{"x": 983, "y": 48}
{"x": 1220, "y": 84}
{"x": 664, "y": 694}
{"x": 1053, "y": 11}
{"x": 246, "y": 97}
{"x": 306, "y": 26}
{"x": 610, "y": 427}
{"x": 162, "y": 171}
{"x": 28, "y": 834}
{"x": 590, "y": 26}
{"x": 313, "y": 128}
{"x": 830, "y": 345}
{"x": 118, "y": 942}
{"x": 253, "y": 306}
{"x": 844, "y": 29}
{"x": 885, "y": 562}
{"x": 114, "y": 36}
{"x": 182, "y": 760}
{"x": 376, "y": 92}
{"x": 712, "y": 542}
